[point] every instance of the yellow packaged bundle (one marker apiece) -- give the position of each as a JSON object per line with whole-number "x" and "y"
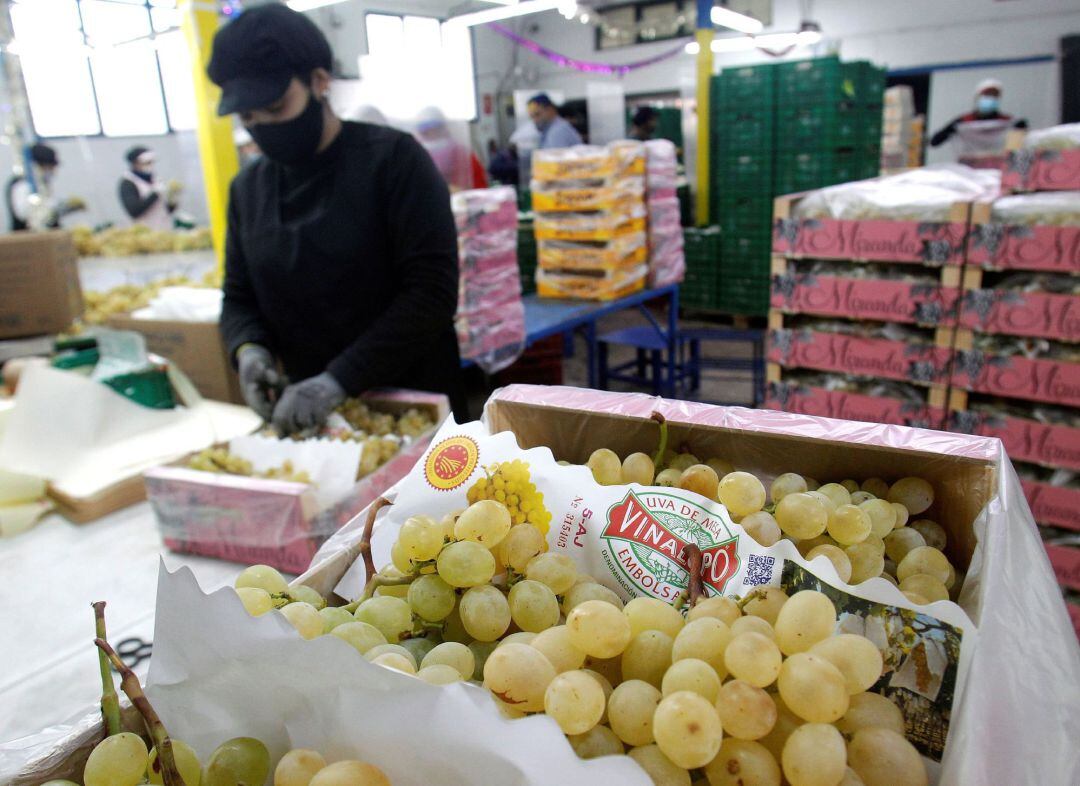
{"x": 588, "y": 195}
{"x": 629, "y": 157}
{"x": 602, "y": 225}
{"x": 591, "y": 286}
{"x": 621, "y": 253}
{"x": 581, "y": 162}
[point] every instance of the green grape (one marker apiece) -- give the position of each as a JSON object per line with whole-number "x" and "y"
{"x": 306, "y": 594}
{"x": 359, "y": 635}
{"x": 693, "y": 675}
{"x": 431, "y": 598}
{"x": 801, "y": 516}
{"x": 742, "y": 763}
{"x": 392, "y": 616}
{"x": 902, "y": 514}
{"x": 453, "y": 630}
{"x": 811, "y": 483}
{"x": 741, "y": 493}
{"x": 521, "y": 637}
{"x": 705, "y": 639}
{"x": 653, "y": 614}
{"x": 840, "y": 560}
{"x": 533, "y": 606}
{"x": 869, "y": 711}
{"x": 590, "y": 590}
{"x": 73, "y": 783}
{"x": 660, "y": 769}
{"x": 788, "y": 483}
{"x": 687, "y": 729}
{"x": 647, "y": 657}
{"x": 668, "y": 478}
{"x": 746, "y": 711}
{"x": 926, "y": 560}
{"x": 518, "y": 675}
{"x": 421, "y": 538}
{"x": 396, "y": 661}
{"x": 638, "y": 468}
{"x": 390, "y": 649}
{"x": 605, "y": 685}
{"x": 859, "y": 497}
{"x": 557, "y": 646}
{"x": 814, "y": 755}
{"x": 849, "y": 524}
{"x": 723, "y": 609}
{"x": 805, "y": 619}
{"x": 486, "y": 522}
{"x": 683, "y": 461}
{"x": 298, "y": 767}
{"x": 521, "y": 544}
{"x": 851, "y": 485}
{"x": 597, "y": 741}
{"x": 823, "y": 499}
{"x": 455, "y": 655}
{"x": 837, "y": 493}
{"x": 813, "y": 688}
{"x": 439, "y": 674}
{"x": 350, "y": 773}
{"x": 808, "y": 545}
{"x": 481, "y": 650}
{"x": 881, "y": 757}
{"x": 256, "y": 601}
{"x": 400, "y": 558}
{"x": 606, "y": 467}
{"x": 927, "y": 587}
{"x": 766, "y": 604}
{"x": 599, "y": 629}
{"x": 786, "y": 723}
{"x": 557, "y": 571}
{"x": 875, "y": 486}
{"x": 900, "y": 541}
{"x": 855, "y": 656}
{"x": 575, "y": 701}
{"x": 304, "y": 618}
{"x": 334, "y": 616}
{"x": 241, "y": 760}
{"x": 187, "y": 763}
{"x": 118, "y": 760}
{"x": 485, "y": 613}
{"x": 630, "y": 711}
{"x": 752, "y": 624}
{"x": 262, "y": 577}
{"x": 882, "y": 516}
{"x": 915, "y": 494}
{"x": 753, "y": 658}
{"x": 700, "y": 479}
{"x": 866, "y": 562}
{"x": 762, "y": 527}
{"x": 419, "y": 647}
{"x": 466, "y": 564}
{"x": 932, "y": 532}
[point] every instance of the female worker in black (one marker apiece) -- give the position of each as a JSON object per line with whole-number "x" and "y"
{"x": 341, "y": 254}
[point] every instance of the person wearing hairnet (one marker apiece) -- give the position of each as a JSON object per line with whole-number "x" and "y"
{"x": 31, "y": 204}
{"x": 147, "y": 200}
{"x": 983, "y": 130}
{"x": 460, "y": 168}
{"x": 341, "y": 252}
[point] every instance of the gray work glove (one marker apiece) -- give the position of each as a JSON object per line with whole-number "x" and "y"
{"x": 307, "y": 404}
{"x": 259, "y": 379}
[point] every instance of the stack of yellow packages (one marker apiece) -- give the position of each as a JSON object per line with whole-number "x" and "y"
{"x": 590, "y": 221}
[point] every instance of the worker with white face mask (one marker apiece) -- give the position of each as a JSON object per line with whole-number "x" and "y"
{"x": 983, "y": 130}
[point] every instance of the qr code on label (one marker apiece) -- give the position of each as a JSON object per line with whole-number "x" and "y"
{"x": 759, "y": 570}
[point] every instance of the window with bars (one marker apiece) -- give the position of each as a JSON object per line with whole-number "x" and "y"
{"x": 104, "y": 67}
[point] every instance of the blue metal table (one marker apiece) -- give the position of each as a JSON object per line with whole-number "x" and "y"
{"x": 545, "y": 317}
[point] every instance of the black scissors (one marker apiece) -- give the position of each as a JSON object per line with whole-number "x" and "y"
{"x": 134, "y": 651}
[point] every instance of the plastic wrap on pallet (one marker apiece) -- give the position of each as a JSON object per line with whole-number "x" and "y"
{"x": 490, "y": 318}
{"x": 1062, "y": 137}
{"x": 926, "y": 194}
{"x": 618, "y": 253}
{"x": 629, "y": 157}
{"x": 604, "y": 225}
{"x": 1054, "y": 208}
{"x": 609, "y": 286}
{"x": 573, "y": 163}
{"x": 667, "y": 256}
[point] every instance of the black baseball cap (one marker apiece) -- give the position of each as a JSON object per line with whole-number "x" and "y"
{"x": 256, "y": 55}
{"x": 44, "y": 155}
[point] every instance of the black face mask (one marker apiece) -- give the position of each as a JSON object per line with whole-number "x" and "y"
{"x": 294, "y": 141}
{"x": 145, "y": 176}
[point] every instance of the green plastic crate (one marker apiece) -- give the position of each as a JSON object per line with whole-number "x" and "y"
{"x": 738, "y": 129}
{"x": 863, "y": 82}
{"x": 744, "y": 295}
{"x": 804, "y": 170}
{"x": 738, "y": 212}
{"x": 802, "y": 80}
{"x": 749, "y": 172}
{"x": 814, "y": 126}
{"x": 746, "y": 85}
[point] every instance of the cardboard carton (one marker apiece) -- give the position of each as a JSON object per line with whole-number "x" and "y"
{"x": 40, "y": 292}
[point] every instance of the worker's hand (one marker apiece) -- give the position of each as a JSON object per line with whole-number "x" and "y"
{"x": 73, "y": 204}
{"x": 307, "y": 404}
{"x": 174, "y": 189}
{"x": 259, "y": 378}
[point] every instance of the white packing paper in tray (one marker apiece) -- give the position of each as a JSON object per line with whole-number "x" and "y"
{"x": 183, "y": 304}
{"x": 219, "y": 673}
{"x": 331, "y": 464}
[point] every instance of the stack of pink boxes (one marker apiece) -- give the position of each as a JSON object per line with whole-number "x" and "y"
{"x": 667, "y": 262}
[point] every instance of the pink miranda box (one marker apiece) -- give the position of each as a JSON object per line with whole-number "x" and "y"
{"x": 809, "y": 400}
{"x": 870, "y": 357}
{"x": 883, "y": 300}
{"x": 274, "y": 522}
{"x": 916, "y": 242}
{"x": 1014, "y": 376}
{"x": 1058, "y": 506}
{"x": 1011, "y": 313}
{"x": 1066, "y": 563}
{"x": 1027, "y": 440}
{"x": 1041, "y": 170}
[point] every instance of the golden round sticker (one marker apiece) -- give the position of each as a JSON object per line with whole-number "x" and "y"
{"x": 451, "y": 462}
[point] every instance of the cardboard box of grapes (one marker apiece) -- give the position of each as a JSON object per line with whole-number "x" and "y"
{"x": 274, "y": 521}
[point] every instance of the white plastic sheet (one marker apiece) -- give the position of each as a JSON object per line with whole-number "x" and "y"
{"x": 1062, "y": 137}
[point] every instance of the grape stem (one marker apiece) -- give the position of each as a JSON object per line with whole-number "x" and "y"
{"x": 693, "y": 564}
{"x": 110, "y": 702}
{"x": 365, "y": 539}
{"x": 741, "y": 603}
{"x": 658, "y": 457}
{"x": 129, "y": 683}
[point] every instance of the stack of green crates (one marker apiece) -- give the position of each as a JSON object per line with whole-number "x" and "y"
{"x": 700, "y": 286}
{"x": 778, "y": 129}
{"x": 526, "y": 256}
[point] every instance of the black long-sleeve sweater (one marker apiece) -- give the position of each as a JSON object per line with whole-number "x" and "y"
{"x": 347, "y": 265}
